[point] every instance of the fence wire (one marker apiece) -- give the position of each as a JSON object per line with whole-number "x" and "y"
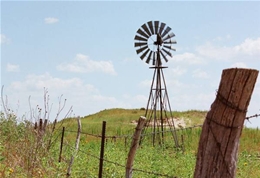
{"x": 131, "y": 135}
{"x": 126, "y": 136}
{"x": 123, "y": 166}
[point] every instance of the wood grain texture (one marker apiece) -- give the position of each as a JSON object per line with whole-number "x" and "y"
{"x": 219, "y": 140}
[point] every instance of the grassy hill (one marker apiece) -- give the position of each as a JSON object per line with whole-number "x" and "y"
{"x": 119, "y": 120}
{"x": 23, "y": 154}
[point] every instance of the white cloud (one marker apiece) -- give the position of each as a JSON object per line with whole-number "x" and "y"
{"x": 4, "y": 39}
{"x": 85, "y": 98}
{"x": 249, "y": 47}
{"x": 38, "y": 82}
{"x": 12, "y": 68}
{"x": 178, "y": 71}
{"x": 198, "y": 73}
{"x": 51, "y": 20}
{"x": 215, "y": 52}
{"x": 82, "y": 64}
{"x": 188, "y": 58}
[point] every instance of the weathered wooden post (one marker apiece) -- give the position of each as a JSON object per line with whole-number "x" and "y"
{"x": 61, "y": 142}
{"x": 76, "y": 147}
{"x": 102, "y": 149}
{"x": 134, "y": 146}
{"x": 219, "y": 140}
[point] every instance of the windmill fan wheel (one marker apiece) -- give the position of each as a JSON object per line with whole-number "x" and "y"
{"x": 153, "y": 40}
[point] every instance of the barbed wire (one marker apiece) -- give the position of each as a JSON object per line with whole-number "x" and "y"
{"x": 131, "y": 135}
{"x": 226, "y": 102}
{"x": 152, "y": 133}
{"x": 123, "y": 166}
{"x": 147, "y": 134}
{"x": 249, "y": 117}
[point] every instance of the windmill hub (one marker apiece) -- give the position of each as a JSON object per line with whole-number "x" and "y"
{"x": 153, "y": 41}
{"x": 159, "y": 40}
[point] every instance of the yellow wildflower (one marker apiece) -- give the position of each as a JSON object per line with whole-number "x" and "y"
{"x": 11, "y": 170}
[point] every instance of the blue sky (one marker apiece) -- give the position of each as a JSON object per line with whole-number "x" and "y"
{"x": 85, "y": 52}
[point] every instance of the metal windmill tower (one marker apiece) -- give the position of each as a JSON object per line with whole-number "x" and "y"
{"x": 153, "y": 43}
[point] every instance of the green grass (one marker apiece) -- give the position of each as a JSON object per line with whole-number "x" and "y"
{"x": 17, "y": 144}
{"x": 118, "y": 120}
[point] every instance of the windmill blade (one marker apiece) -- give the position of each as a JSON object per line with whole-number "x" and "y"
{"x": 170, "y": 42}
{"x": 162, "y": 28}
{"x": 164, "y": 57}
{"x": 141, "y": 49}
{"x": 169, "y": 36}
{"x": 169, "y": 47}
{"x": 167, "y": 52}
{"x": 149, "y": 57}
{"x": 150, "y": 24}
{"x": 140, "y": 38}
{"x": 146, "y": 33}
{"x": 156, "y": 26}
{"x": 138, "y": 44}
{"x": 166, "y": 31}
{"x": 146, "y": 29}
{"x": 139, "y": 31}
{"x": 144, "y": 54}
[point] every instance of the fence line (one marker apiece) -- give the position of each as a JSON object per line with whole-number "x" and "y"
{"x": 125, "y": 136}
{"x": 101, "y": 159}
{"x": 123, "y": 166}
{"x": 151, "y": 133}
{"x": 130, "y": 135}
{"x": 249, "y": 117}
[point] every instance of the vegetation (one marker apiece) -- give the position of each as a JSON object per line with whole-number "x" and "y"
{"x": 24, "y": 154}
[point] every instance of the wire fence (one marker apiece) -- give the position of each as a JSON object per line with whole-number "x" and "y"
{"x": 122, "y": 166}
{"x": 126, "y": 136}
{"x": 130, "y": 135}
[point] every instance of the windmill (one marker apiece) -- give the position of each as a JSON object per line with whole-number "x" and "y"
{"x": 153, "y": 43}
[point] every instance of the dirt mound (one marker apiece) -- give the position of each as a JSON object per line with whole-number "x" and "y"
{"x": 178, "y": 122}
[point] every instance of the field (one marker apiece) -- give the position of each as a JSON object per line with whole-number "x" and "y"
{"x": 23, "y": 154}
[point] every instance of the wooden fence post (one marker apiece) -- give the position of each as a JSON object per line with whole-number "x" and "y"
{"x": 101, "y": 159}
{"x": 219, "y": 140}
{"x": 134, "y": 146}
{"x": 76, "y": 147}
{"x": 61, "y": 143}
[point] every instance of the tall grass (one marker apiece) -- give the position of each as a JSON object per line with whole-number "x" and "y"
{"x": 22, "y": 154}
